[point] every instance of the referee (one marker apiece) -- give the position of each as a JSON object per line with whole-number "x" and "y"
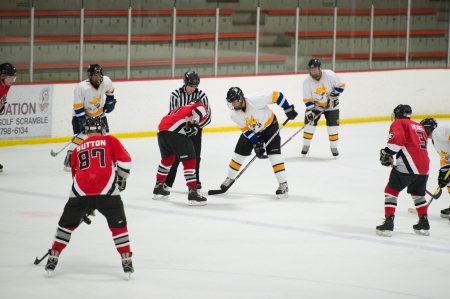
{"x": 181, "y": 97}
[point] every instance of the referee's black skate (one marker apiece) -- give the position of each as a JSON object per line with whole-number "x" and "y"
{"x": 445, "y": 213}
{"x": 161, "y": 191}
{"x": 52, "y": 262}
{"x": 386, "y": 228}
{"x": 127, "y": 264}
{"x": 423, "y": 226}
{"x": 195, "y": 198}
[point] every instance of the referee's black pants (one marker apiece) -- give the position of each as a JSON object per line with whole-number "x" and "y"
{"x": 197, "y": 141}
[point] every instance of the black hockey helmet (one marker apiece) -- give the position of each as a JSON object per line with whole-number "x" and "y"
{"x": 95, "y": 125}
{"x": 8, "y": 69}
{"x": 234, "y": 94}
{"x": 313, "y": 63}
{"x": 191, "y": 79}
{"x": 429, "y": 124}
{"x": 95, "y": 69}
{"x": 402, "y": 111}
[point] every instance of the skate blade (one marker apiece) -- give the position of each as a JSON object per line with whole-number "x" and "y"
{"x": 49, "y": 273}
{"x": 422, "y": 232}
{"x": 197, "y": 203}
{"x": 285, "y": 195}
{"x": 384, "y": 233}
{"x": 128, "y": 275}
{"x": 157, "y": 197}
{"x": 68, "y": 169}
{"x": 444, "y": 215}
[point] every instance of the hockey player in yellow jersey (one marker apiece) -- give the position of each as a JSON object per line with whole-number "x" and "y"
{"x": 441, "y": 142}
{"x": 258, "y": 124}
{"x": 321, "y": 89}
{"x": 92, "y": 98}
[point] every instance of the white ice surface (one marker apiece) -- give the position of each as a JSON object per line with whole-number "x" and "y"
{"x": 318, "y": 243}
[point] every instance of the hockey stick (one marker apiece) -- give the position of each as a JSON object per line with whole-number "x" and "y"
{"x": 436, "y": 195}
{"x": 37, "y": 261}
{"x": 214, "y": 192}
{"x": 53, "y": 154}
{"x": 311, "y": 122}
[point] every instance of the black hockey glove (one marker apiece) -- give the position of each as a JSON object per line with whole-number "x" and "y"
{"x": 334, "y": 99}
{"x": 259, "y": 150}
{"x": 121, "y": 183}
{"x": 290, "y": 112}
{"x": 442, "y": 179}
{"x": 385, "y": 158}
{"x": 309, "y": 116}
{"x": 82, "y": 124}
{"x": 191, "y": 129}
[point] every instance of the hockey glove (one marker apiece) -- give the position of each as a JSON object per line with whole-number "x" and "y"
{"x": 443, "y": 178}
{"x": 259, "y": 150}
{"x": 290, "y": 112}
{"x": 86, "y": 217}
{"x": 191, "y": 129}
{"x": 110, "y": 104}
{"x": 385, "y": 158}
{"x": 82, "y": 124}
{"x": 333, "y": 101}
{"x": 121, "y": 183}
{"x": 309, "y": 116}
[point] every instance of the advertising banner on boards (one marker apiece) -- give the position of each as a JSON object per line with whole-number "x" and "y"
{"x": 27, "y": 113}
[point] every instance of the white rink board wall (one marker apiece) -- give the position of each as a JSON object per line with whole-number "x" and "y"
{"x": 141, "y": 104}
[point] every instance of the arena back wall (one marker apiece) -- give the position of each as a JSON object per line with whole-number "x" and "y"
{"x": 45, "y": 110}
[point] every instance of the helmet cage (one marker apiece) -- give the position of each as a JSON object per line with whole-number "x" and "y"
{"x": 92, "y": 70}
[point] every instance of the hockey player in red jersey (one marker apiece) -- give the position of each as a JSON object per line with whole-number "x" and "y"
{"x": 7, "y": 77}
{"x": 408, "y": 142}
{"x": 174, "y": 132}
{"x": 96, "y": 185}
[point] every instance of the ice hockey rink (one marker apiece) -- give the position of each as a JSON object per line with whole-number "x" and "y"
{"x": 318, "y": 243}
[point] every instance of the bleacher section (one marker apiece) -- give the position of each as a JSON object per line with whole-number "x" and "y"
{"x": 57, "y": 35}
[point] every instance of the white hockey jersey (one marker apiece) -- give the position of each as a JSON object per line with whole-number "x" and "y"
{"x": 441, "y": 142}
{"x": 257, "y": 116}
{"x": 316, "y": 92}
{"x": 90, "y": 101}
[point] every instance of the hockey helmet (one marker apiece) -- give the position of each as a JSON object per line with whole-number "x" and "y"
{"x": 234, "y": 94}
{"x": 8, "y": 69}
{"x": 312, "y": 64}
{"x": 95, "y": 125}
{"x": 402, "y": 111}
{"x": 191, "y": 79}
{"x": 92, "y": 70}
{"x": 429, "y": 124}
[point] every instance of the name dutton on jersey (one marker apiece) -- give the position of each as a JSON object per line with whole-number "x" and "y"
{"x": 88, "y": 144}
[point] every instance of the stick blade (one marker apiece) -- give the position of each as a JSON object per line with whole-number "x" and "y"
{"x": 53, "y": 154}
{"x": 215, "y": 192}
{"x": 37, "y": 261}
{"x": 439, "y": 193}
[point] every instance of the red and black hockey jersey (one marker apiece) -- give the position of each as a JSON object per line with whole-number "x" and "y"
{"x": 176, "y": 119}
{"x": 408, "y": 141}
{"x": 3, "y": 93}
{"x": 93, "y": 164}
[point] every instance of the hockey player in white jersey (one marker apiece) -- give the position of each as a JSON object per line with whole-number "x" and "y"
{"x": 92, "y": 98}
{"x": 440, "y": 137}
{"x": 258, "y": 124}
{"x": 321, "y": 90}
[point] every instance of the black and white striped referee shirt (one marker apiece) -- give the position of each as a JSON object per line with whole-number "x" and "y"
{"x": 180, "y": 98}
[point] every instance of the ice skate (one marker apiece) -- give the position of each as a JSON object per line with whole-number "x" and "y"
{"x": 1, "y": 168}
{"x": 161, "y": 191}
{"x": 386, "y": 228}
{"x": 226, "y": 184}
{"x": 127, "y": 264}
{"x": 195, "y": 199}
{"x": 422, "y": 227}
{"x": 282, "y": 191}
{"x": 305, "y": 150}
{"x": 67, "y": 166}
{"x": 335, "y": 152}
{"x": 52, "y": 262}
{"x": 445, "y": 213}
